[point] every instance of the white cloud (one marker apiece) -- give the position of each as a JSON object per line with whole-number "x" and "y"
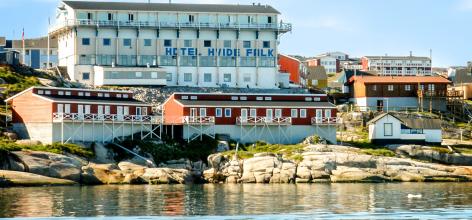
{"x": 464, "y": 5}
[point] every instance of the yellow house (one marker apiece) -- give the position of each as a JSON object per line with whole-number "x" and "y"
{"x": 316, "y": 77}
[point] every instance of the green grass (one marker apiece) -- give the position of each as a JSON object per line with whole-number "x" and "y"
{"x": 248, "y": 151}
{"x": 7, "y": 145}
{"x": 379, "y": 152}
{"x": 15, "y": 81}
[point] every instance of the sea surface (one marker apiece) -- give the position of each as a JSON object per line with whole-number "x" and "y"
{"x": 248, "y": 201}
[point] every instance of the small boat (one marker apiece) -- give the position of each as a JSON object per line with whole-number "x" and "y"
{"x": 414, "y": 196}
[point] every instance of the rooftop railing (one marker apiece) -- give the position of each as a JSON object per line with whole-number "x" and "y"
{"x": 283, "y": 27}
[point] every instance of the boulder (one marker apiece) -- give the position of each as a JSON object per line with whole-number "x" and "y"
{"x": 11, "y": 135}
{"x": 349, "y": 174}
{"x": 167, "y": 176}
{"x": 50, "y": 164}
{"x": 94, "y": 174}
{"x": 259, "y": 169}
{"x": 430, "y": 154}
{"x": 16, "y": 178}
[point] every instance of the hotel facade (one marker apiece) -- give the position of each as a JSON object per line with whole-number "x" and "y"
{"x": 167, "y": 44}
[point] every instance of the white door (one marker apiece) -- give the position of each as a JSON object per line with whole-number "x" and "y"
{"x": 87, "y": 109}
{"x": 203, "y": 112}
{"x": 319, "y": 115}
{"x": 278, "y": 113}
{"x": 269, "y": 115}
{"x": 67, "y": 108}
{"x": 100, "y": 112}
{"x": 60, "y": 108}
{"x": 80, "y": 111}
{"x": 253, "y": 113}
{"x": 244, "y": 115}
{"x": 126, "y": 110}
{"x": 119, "y": 112}
{"x": 193, "y": 115}
{"x": 107, "y": 110}
{"x": 327, "y": 114}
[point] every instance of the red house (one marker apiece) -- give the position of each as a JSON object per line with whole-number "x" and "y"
{"x": 247, "y": 118}
{"x": 294, "y": 67}
{"x": 64, "y": 115}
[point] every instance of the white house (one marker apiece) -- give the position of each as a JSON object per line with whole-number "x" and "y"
{"x": 388, "y": 128}
{"x": 173, "y": 44}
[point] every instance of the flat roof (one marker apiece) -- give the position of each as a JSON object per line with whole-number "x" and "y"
{"x": 271, "y": 104}
{"x": 397, "y": 58}
{"x": 172, "y": 7}
{"x": 398, "y": 79}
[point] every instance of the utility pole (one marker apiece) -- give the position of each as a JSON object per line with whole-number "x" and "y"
{"x": 49, "y": 46}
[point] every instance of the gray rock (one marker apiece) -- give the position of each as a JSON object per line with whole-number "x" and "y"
{"x": 50, "y": 164}
{"x": 102, "y": 174}
{"x": 16, "y": 178}
{"x": 167, "y": 176}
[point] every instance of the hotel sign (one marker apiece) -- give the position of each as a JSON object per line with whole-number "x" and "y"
{"x": 224, "y": 52}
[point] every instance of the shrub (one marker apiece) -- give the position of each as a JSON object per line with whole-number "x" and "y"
{"x": 379, "y": 152}
{"x": 57, "y": 148}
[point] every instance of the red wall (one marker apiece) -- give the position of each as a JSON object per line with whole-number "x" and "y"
{"x": 292, "y": 66}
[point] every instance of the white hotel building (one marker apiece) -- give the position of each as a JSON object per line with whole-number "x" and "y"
{"x": 201, "y": 45}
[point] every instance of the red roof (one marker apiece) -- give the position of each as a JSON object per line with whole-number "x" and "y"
{"x": 398, "y": 79}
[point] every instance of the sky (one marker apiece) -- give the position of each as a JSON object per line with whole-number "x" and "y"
{"x": 356, "y": 27}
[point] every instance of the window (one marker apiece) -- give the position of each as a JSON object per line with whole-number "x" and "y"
{"x": 203, "y": 112}
{"x": 47, "y": 92}
{"x": 278, "y": 113}
{"x": 153, "y": 75}
{"x": 227, "y": 44}
{"x": 60, "y": 92}
{"x": 421, "y": 87}
{"x": 184, "y": 97}
{"x": 207, "y": 77}
{"x": 253, "y": 112}
{"x": 89, "y": 16}
{"x": 207, "y": 43}
{"x": 218, "y": 112}
{"x": 106, "y": 42}
{"x": 169, "y": 77}
{"x": 191, "y": 18}
{"x": 431, "y": 87}
{"x": 268, "y": 98}
{"x": 100, "y": 94}
{"x": 187, "y": 43}
{"x": 87, "y": 94}
{"x": 68, "y": 93}
{"x": 390, "y": 87}
{"x": 247, "y": 78}
{"x": 125, "y": 96}
{"x": 130, "y": 17}
{"x": 107, "y": 94}
{"x": 110, "y": 16}
{"x": 407, "y": 87}
{"x": 302, "y": 113}
{"x": 294, "y": 113}
{"x": 388, "y": 129}
{"x": 227, "y": 77}
{"x": 139, "y": 74}
{"x": 269, "y": 20}
{"x": 81, "y": 93}
{"x": 127, "y": 42}
{"x": 85, "y": 76}
{"x": 187, "y": 77}
{"x": 85, "y": 41}
{"x": 40, "y": 92}
{"x": 247, "y": 44}
{"x": 147, "y": 42}
{"x": 167, "y": 43}
{"x": 266, "y": 44}
{"x": 227, "y": 112}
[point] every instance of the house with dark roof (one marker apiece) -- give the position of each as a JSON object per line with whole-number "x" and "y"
{"x": 249, "y": 117}
{"x": 65, "y": 115}
{"x": 388, "y": 128}
{"x": 317, "y": 77}
{"x": 383, "y": 93}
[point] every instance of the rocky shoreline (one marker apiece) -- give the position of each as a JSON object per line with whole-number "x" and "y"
{"x": 317, "y": 164}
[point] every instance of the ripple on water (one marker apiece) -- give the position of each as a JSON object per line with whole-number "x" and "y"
{"x": 328, "y": 201}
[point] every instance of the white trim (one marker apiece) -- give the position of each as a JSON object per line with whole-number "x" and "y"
{"x": 248, "y": 94}
{"x": 20, "y": 93}
{"x": 251, "y": 106}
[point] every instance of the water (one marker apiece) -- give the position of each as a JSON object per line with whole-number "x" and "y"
{"x": 253, "y": 201}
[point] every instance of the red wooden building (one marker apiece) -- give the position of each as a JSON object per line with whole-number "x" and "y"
{"x": 64, "y": 115}
{"x": 275, "y": 118}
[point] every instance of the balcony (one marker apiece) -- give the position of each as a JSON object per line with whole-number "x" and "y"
{"x": 198, "y": 120}
{"x": 263, "y": 121}
{"x": 77, "y": 117}
{"x": 324, "y": 121}
{"x": 282, "y": 27}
